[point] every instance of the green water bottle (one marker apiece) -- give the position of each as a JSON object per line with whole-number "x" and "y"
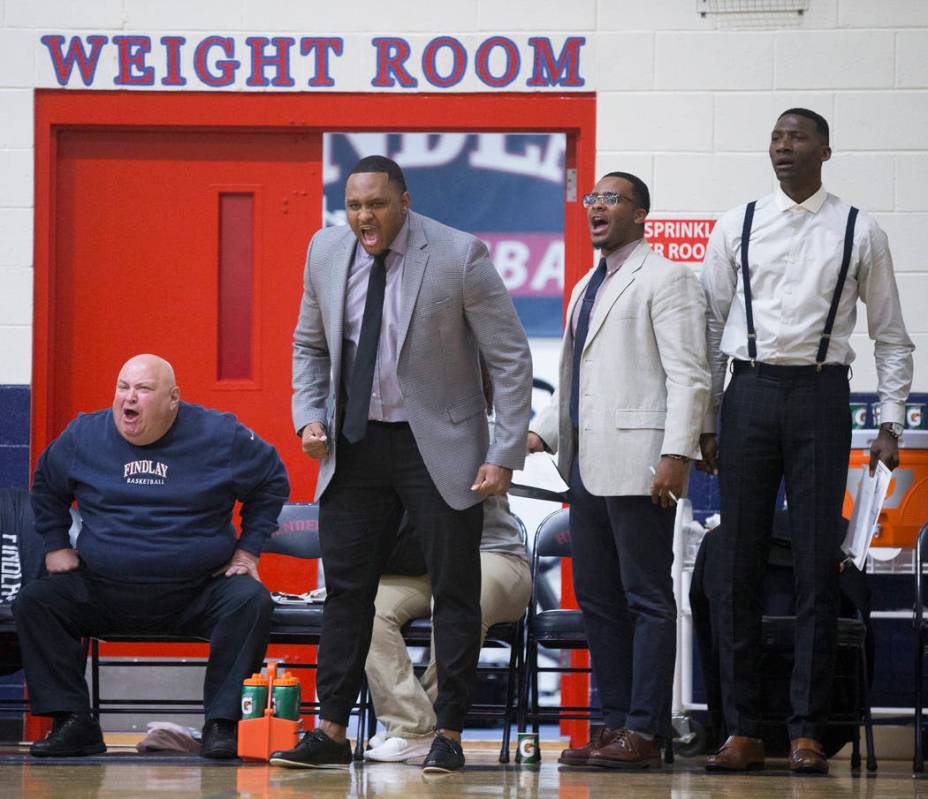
{"x": 285, "y": 698}
{"x": 254, "y": 696}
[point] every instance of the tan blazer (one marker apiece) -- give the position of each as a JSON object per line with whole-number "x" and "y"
{"x": 644, "y": 379}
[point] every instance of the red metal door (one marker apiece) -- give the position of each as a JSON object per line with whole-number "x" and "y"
{"x": 188, "y": 244}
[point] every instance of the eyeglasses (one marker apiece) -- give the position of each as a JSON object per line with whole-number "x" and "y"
{"x": 608, "y": 199}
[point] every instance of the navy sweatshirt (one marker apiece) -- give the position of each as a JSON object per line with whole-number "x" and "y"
{"x": 161, "y": 512}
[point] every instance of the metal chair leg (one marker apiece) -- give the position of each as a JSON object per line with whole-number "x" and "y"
{"x": 511, "y": 679}
{"x": 94, "y": 678}
{"x": 363, "y": 700}
{"x": 868, "y": 719}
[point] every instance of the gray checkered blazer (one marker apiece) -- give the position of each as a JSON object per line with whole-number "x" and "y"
{"x": 454, "y": 306}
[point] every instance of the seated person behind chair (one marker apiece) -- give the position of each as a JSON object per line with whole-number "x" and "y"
{"x": 404, "y": 702}
{"x": 155, "y": 480}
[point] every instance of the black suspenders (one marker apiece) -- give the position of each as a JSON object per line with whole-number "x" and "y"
{"x": 836, "y": 298}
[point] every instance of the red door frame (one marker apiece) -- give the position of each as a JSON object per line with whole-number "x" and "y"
{"x": 55, "y": 110}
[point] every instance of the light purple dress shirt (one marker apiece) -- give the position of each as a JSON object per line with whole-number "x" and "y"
{"x": 386, "y": 397}
{"x": 614, "y": 263}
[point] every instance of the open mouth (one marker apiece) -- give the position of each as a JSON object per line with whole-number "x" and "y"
{"x": 370, "y": 237}
{"x": 598, "y": 225}
{"x": 129, "y": 414}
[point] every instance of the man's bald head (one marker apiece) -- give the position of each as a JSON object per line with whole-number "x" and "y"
{"x": 147, "y": 399}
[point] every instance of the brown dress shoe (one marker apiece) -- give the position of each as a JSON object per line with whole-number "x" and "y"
{"x": 627, "y": 750}
{"x": 738, "y": 753}
{"x": 806, "y": 756}
{"x": 580, "y": 756}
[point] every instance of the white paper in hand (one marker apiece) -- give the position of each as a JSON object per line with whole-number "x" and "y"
{"x": 539, "y": 475}
{"x": 868, "y": 502}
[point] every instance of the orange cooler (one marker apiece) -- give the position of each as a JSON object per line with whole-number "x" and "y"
{"x": 906, "y": 507}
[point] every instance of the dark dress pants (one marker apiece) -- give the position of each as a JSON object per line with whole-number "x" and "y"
{"x": 375, "y": 480}
{"x": 791, "y": 423}
{"x": 53, "y": 613}
{"x": 622, "y": 552}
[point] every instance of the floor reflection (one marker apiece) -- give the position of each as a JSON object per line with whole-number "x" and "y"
{"x": 482, "y": 778}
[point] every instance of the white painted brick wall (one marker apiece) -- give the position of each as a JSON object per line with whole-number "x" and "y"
{"x": 16, "y": 178}
{"x": 882, "y": 13}
{"x": 654, "y": 122}
{"x": 17, "y": 56}
{"x": 686, "y": 106}
{"x": 718, "y": 61}
{"x": 865, "y": 180}
{"x": 889, "y": 120}
{"x": 624, "y": 61}
{"x": 370, "y": 16}
{"x": 639, "y": 164}
{"x": 631, "y": 15}
{"x": 907, "y": 240}
{"x": 535, "y": 15}
{"x": 16, "y": 129}
{"x": 63, "y": 14}
{"x": 912, "y": 59}
{"x": 834, "y": 60}
{"x": 709, "y": 184}
{"x": 185, "y": 15}
{"x": 912, "y": 182}
{"x": 15, "y": 241}
{"x": 743, "y": 121}
{"x": 16, "y": 296}
{"x": 15, "y": 354}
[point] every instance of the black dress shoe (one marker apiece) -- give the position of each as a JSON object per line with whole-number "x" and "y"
{"x": 219, "y": 739}
{"x": 72, "y": 735}
{"x": 316, "y": 750}
{"x": 445, "y": 755}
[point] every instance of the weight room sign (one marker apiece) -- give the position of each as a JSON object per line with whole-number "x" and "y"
{"x": 313, "y": 63}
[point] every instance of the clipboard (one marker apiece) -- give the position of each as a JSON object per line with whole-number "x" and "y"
{"x": 868, "y": 502}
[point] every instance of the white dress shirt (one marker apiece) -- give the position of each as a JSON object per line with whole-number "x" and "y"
{"x": 794, "y": 257}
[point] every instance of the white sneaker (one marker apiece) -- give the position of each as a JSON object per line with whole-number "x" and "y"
{"x": 396, "y": 750}
{"x": 376, "y": 740}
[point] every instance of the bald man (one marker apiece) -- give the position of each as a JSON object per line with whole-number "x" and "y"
{"x": 155, "y": 481}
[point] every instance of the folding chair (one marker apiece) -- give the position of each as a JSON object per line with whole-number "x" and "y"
{"x": 297, "y": 536}
{"x": 920, "y": 627}
{"x": 851, "y": 708}
{"x": 511, "y": 635}
{"x": 550, "y": 629}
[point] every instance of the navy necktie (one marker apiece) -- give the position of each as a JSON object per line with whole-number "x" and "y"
{"x": 583, "y": 327}
{"x": 357, "y": 411}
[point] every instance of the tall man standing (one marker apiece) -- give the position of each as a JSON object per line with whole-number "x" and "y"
{"x": 782, "y": 277}
{"x": 633, "y": 388}
{"x": 397, "y": 312}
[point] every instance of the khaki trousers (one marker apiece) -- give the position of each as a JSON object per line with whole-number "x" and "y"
{"x": 404, "y": 702}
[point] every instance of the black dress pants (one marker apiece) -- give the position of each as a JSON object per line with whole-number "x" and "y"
{"x": 791, "y": 423}
{"x": 622, "y": 553}
{"x": 375, "y": 480}
{"x": 53, "y": 613}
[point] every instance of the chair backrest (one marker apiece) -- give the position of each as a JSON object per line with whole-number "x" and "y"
{"x": 297, "y": 532}
{"x": 552, "y": 538}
